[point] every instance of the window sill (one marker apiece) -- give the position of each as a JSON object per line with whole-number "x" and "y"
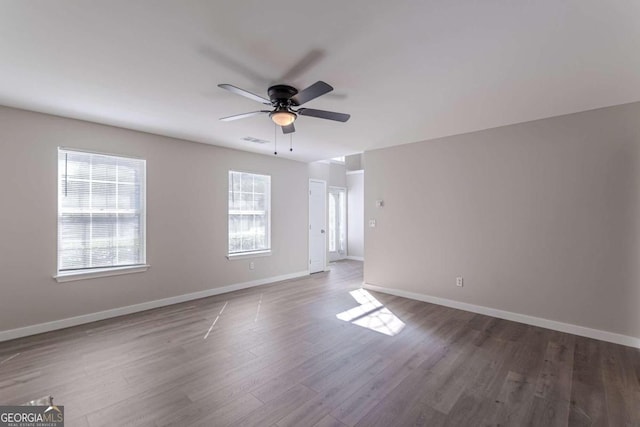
{"x": 245, "y": 255}
{"x": 69, "y": 276}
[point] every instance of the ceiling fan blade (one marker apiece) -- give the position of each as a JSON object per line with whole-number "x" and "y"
{"x": 317, "y": 89}
{"x": 288, "y": 129}
{"x": 308, "y": 61}
{"x": 322, "y": 114}
{"x": 244, "y": 115}
{"x": 232, "y": 64}
{"x": 246, "y": 94}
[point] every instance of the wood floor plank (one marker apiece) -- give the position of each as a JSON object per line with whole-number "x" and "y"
{"x": 356, "y": 406}
{"x": 403, "y": 404}
{"x": 145, "y": 409}
{"x": 292, "y": 362}
{"x": 308, "y": 414}
{"x": 588, "y": 404}
{"x": 329, "y": 421}
{"x": 621, "y": 401}
{"x": 278, "y": 408}
{"x": 551, "y": 405}
{"x": 229, "y": 414}
{"x": 513, "y": 404}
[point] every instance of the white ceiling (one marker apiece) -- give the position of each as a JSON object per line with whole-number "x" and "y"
{"x": 405, "y": 71}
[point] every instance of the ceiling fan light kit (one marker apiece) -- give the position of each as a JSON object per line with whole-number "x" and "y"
{"x": 282, "y": 117}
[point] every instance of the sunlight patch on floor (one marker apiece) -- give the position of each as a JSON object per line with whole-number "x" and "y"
{"x": 216, "y": 320}
{"x": 371, "y": 314}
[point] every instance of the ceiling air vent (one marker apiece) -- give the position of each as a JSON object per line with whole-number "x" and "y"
{"x": 255, "y": 140}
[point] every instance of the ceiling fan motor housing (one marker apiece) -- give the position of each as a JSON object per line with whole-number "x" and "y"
{"x": 281, "y": 95}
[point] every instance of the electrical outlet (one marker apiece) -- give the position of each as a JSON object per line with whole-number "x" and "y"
{"x": 372, "y": 223}
{"x": 459, "y": 281}
{"x": 251, "y": 265}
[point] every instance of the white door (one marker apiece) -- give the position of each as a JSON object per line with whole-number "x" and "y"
{"x": 337, "y": 229}
{"x": 317, "y": 226}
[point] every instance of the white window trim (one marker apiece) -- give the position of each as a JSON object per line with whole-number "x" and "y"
{"x": 245, "y": 255}
{"x": 84, "y": 274}
{"x": 70, "y": 276}
{"x": 102, "y": 153}
{"x": 250, "y": 254}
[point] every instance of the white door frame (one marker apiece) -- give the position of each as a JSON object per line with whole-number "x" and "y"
{"x": 324, "y": 225}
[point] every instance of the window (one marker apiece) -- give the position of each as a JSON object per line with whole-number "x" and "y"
{"x": 337, "y": 222}
{"x": 101, "y": 212}
{"x": 249, "y": 213}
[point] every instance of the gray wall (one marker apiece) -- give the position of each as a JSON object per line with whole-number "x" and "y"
{"x": 335, "y": 174}
{"x": 354, "y": 162}
{"x": 540, "y": 218}
{"x": 186, "y": 218}
{"x": 355, "y": 215}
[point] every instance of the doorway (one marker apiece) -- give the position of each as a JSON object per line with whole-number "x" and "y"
{"x": 317, "y": 225}
{"x": 337, "y": 223}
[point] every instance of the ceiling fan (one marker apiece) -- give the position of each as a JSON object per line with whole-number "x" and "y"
{"x": 285, "y": 101}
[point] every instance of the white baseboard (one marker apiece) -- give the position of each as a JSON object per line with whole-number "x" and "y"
{"x": 355, "y": 258}
{"x": 516, "y": 317}
{"x": 121, "y": 311}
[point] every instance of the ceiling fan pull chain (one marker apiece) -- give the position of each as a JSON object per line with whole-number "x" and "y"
{"x": 290, "y": 142}
{"x": 275, "y": 139}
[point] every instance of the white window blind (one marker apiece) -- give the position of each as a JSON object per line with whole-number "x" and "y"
{"x": 249, "y": 212}
{"x": 101, "y": 211}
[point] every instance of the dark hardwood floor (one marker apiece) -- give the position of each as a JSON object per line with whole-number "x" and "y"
{"x": 277, "y": 355}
